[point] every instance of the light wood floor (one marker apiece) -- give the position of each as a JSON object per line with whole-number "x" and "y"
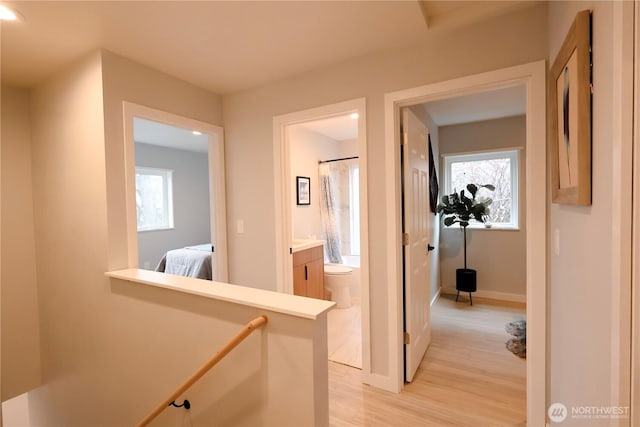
{"x": 467, "y": 378}
{"x": 344, "y": 335}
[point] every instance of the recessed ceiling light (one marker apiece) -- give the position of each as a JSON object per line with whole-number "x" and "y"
{"x": 354, "y": 116}
{"x": 7, "y": 14}
{"x": 195, "y": 132}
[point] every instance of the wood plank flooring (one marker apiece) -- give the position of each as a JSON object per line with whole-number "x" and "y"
{"x": 467, "y": 377}
{"x": 344, "y": 334}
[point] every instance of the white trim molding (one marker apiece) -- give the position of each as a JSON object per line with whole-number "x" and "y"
{"x": 436, "y": 296}
{"x": 635, "y": 272}
{"x": 625, "y": 385}
{"x": 217, "y": 196}
{"x": 533, "y": 77}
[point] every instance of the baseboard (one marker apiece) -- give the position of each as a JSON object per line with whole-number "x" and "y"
{"x": 383, "y": 382}
{"x": 435, "y": 297}
{"x": 500, "y": 296}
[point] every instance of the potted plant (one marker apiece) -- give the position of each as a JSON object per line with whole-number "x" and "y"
{"x": 459, "y": 208}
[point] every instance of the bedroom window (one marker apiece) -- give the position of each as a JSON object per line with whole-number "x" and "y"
{"x": 154, "y": 198}
{"x": 499, "y": 168}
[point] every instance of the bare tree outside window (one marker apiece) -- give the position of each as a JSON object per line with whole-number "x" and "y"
{"x": 498, "y": 169}
{"x": 154, "y": 204}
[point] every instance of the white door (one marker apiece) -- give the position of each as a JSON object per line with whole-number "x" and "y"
{"x": 416, "y": 238}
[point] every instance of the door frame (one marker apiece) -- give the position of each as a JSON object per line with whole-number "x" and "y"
{"x": 217, "y": 196}
{"x": 284, "y": 201}
{"x": 533, "y": 77}
{"x": 635, "y": 225}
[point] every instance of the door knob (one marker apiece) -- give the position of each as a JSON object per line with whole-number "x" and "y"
{"x": 430, "y": 248}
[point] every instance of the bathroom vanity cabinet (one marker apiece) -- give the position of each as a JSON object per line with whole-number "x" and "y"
{"x": 308, "y": 272}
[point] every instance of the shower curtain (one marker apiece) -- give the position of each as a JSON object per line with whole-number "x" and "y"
{"x": 328, "y": 214}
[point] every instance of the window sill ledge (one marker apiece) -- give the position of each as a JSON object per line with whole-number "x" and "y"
{"x": 148, "y": 230}
{"x": 483, "y": 228}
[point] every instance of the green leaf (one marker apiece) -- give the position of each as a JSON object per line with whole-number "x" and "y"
{"x": 468, "y": 203}
{"x": 458, "y": 208}
{"x": 473, "y": 189}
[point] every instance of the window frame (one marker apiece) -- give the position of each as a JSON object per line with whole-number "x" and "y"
{"x": 167, "y": 189}
{"x": 513, "y": 154}
{"x": 354, "y": 217}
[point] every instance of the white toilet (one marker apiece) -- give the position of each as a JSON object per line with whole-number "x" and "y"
{"x": 337, "y": 280}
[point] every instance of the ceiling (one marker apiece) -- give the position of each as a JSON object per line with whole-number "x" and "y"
{"x": 223, "y": 46}
{"x": 339, "y": 128}
{"x": 154, "y": 133}
{"x": 247, "y": 43}
{"x": 495, "y": 104}
{"x": 453, "y": 13}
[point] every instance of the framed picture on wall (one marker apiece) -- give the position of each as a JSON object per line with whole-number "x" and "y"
{"x": 570, "y": 106}
{"x": 303, "y": 190}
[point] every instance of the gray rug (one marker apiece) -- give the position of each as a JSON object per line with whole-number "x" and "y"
{"x": 518, "y": 344}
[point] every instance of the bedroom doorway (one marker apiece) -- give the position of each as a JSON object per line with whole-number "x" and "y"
{"x": 175, "y": 194}
{"x": 532, "y": 76}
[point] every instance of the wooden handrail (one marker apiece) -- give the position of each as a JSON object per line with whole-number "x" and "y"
{"x": 248, "y": 328}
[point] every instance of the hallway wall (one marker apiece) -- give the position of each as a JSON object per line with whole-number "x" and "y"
{"x": 503, "y": 41}
{"x": 306, "y": 149}
{"x": 586, "y": 290}
{"x": 20, "y": 317}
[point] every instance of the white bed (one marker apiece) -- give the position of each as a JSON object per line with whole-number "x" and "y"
{"x": 190, "y": 261}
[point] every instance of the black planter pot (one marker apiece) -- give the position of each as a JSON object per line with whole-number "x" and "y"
{"x": 466, "y": 282}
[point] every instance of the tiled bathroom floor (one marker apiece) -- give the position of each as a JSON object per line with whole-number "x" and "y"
{"x": 344, "y": 332}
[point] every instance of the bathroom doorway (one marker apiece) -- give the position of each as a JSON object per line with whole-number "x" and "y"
{"x": 324, "y": 154}
{"x": 321, "y": 154}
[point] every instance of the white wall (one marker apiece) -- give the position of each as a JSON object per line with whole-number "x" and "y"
{"x": 499, "y": 256}
{"x": 191, "y": 213}
{"x": 504, "y": 41}
{"x": 15, "y": 412}
{"x": 112, "y": 350}
{"x": 583, "y": 313}
{"x": 71, "y": 235}
{"x": 20, "y": 319}
{"x": 306, "y": 149}
{"x": 348, "y": 148}
{"x": 125, "y": 80}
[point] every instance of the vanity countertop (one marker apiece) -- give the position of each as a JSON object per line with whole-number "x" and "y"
{"x": 298, "y": 245}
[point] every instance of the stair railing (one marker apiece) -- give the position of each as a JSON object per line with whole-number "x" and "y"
{"x": 169, "y": 401}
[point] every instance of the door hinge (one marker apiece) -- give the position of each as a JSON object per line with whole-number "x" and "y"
{"x": 407, "y": 338}
{"x": 405, "y": 239}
